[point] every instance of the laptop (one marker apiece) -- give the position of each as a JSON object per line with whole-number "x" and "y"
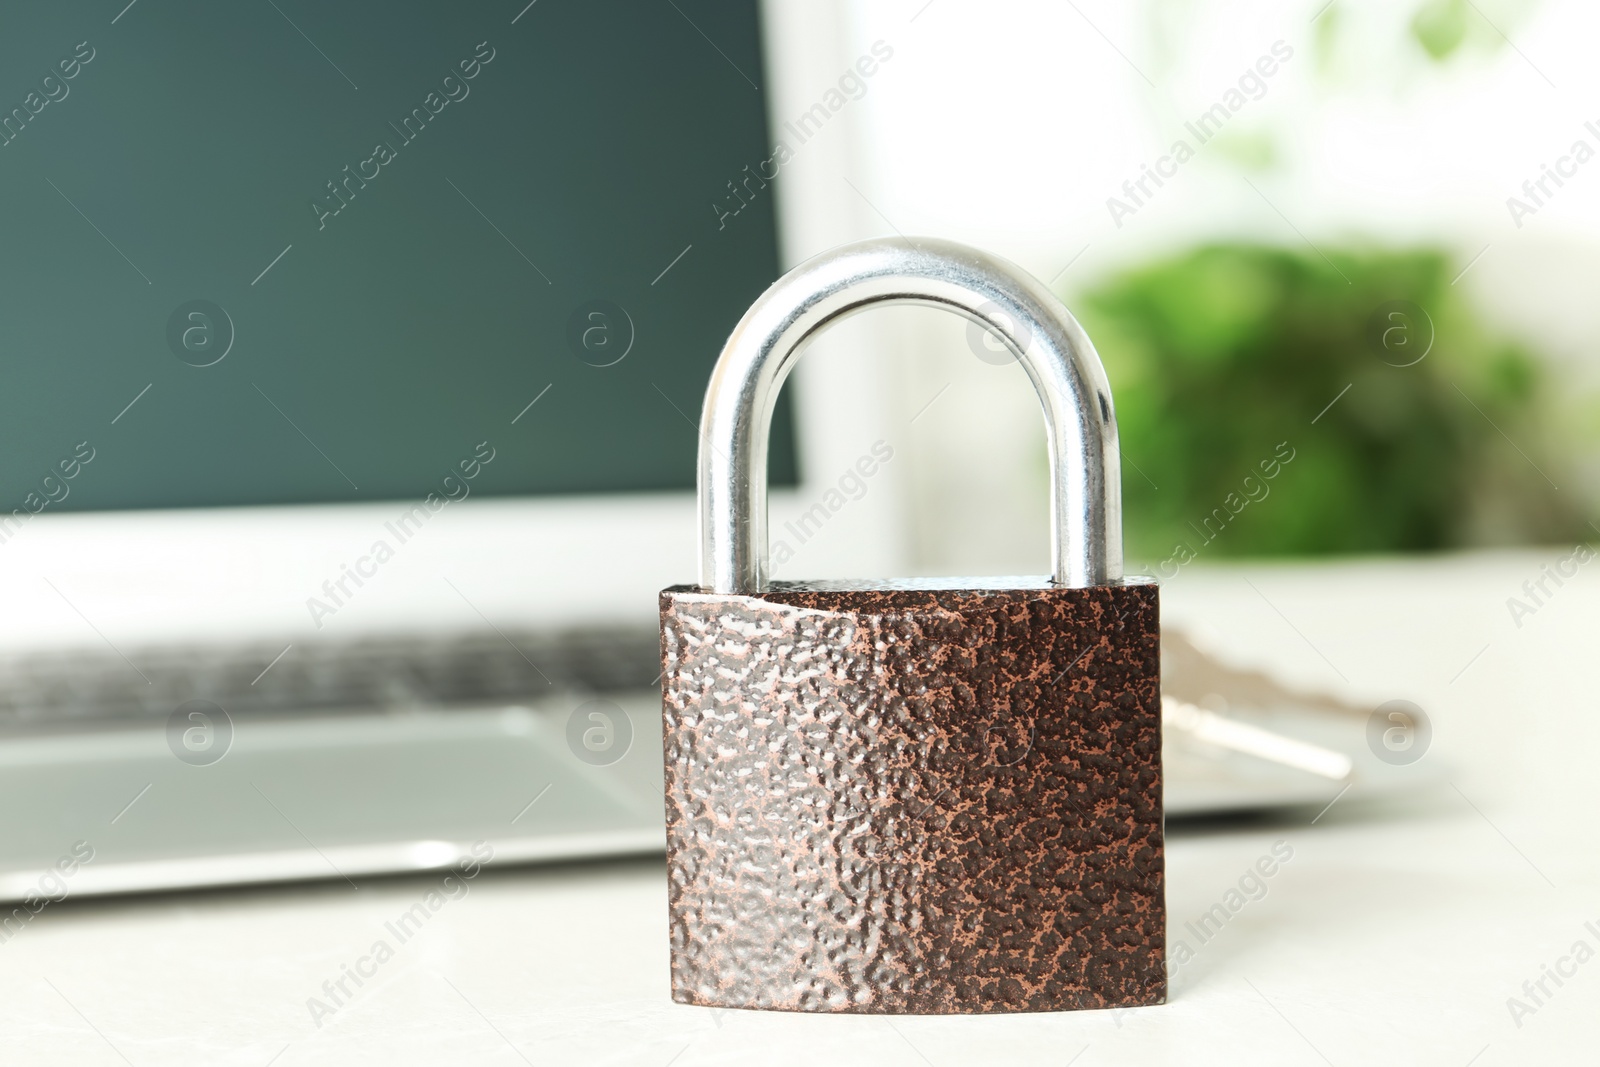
{"x": 355, "y": 357}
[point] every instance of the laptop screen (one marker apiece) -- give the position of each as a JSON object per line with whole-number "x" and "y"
{"x": 287, "y": 252}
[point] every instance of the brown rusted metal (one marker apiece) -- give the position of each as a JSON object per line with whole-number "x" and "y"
{"x": 913, "y": 798}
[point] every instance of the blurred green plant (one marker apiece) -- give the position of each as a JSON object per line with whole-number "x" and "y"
{"x": 1221, "y": 353}
{"x": 1440, "y": 26}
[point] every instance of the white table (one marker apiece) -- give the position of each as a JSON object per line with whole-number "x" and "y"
{"x": 1394, "y": 935}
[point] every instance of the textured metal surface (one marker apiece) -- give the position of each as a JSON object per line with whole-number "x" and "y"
{"x": 1080, "y": 423}
{"x": 903, "y": 798}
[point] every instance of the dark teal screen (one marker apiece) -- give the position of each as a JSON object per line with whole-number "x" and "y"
{"x": 280, "y": 251}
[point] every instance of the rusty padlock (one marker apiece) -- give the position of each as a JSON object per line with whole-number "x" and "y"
{"x": 926, "y": 796}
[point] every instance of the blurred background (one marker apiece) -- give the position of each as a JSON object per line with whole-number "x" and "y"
{"x": 1329, "y": 263}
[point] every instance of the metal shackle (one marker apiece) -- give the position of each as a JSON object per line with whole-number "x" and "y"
{"x": 1080, "y": 424}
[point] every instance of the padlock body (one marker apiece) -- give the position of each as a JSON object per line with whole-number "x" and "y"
{"x": 913, "y": 798}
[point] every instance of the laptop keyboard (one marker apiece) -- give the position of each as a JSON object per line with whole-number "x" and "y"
{"x": 43, "y": 690}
